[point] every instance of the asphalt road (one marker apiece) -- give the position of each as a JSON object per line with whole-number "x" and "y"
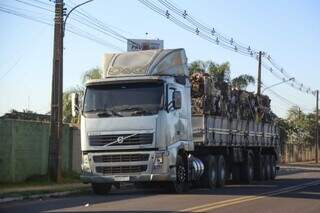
{"x": 298, "y": 192}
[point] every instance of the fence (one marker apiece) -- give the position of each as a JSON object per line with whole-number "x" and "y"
{"x": 24, "y": 148}
{"x": 297, "y": 153}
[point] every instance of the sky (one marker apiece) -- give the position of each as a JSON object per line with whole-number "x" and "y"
{"x": 287, "y": 29}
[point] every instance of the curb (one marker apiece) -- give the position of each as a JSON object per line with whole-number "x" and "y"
{"x": 123, "y": 186}
{"x": 41, "y": 196}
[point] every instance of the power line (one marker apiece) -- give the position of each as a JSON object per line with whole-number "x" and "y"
{"x": 74, "y": 30}
{"x": 87, "y": 15}
{"x": 286, "y": 100}
{"x": 86, "y": 20}
{"x": 11, "y": 68}
{"x": 34, "y": 5}
{"x": 98, "y": 25}
{"x": 210, "y": 34}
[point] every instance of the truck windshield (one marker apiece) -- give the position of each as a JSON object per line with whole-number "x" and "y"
{"x": 124, "y": 99}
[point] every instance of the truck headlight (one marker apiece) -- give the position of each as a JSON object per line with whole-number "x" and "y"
{"x": 158, "y": 160}
{"x": 85, "y": 166}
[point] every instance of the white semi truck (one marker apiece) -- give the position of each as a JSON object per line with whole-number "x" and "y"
{"x": 137, "y": 126}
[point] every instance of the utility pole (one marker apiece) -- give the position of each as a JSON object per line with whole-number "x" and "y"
{"x": 259, "y": 74}
{"x": 56, "y": 126}
{"x": 317, "y": 127}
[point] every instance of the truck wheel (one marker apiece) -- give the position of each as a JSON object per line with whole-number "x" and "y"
{"x": 247, "y": 170}
{"x": 273, "y": 167}
{"x": 181, "y": 184}
{"x": 221, "y": 171}
{"x": 268, "y": 167}
{"x": 101, "y": 188}
{"x": 210, "y": 172}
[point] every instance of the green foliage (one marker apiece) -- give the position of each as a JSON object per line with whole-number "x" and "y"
{"x": 94, "y": 73}
{"x": 197, "y": 66}
{"x": 242, "y": 81}
{"x": 221, "y": 72}
{"x": 67, "y": 111}
{"x": 301, "y": 126}
{"x": 26, "y": 115}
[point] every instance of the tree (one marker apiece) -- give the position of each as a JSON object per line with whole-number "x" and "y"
{"x": 221, "y": 72}
{"x": 302, "y": 129}
{"x": 94, "y": 73}
{"x": 67, "y": 111}
{"x": 197, "y": 66}
{"x": 242, "y": 81}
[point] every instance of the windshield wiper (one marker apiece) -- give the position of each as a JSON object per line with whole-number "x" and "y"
{"x": 108, "y": 113}
{"x": 136, "y": 110}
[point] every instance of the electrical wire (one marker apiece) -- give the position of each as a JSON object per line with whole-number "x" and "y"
{"x": 210, "y": 34}
{"x": 74, "y": 30}
{"x": 99, "y": 25}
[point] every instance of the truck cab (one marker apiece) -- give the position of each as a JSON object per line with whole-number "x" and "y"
{"x": 136, "y": 119}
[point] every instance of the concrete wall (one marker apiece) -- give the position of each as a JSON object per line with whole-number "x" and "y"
{"x": 76, "y": 150}
{"x": 297, "y": 153}
{"x": 24, "y": 147}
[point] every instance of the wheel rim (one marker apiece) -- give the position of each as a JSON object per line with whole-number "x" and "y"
{"x": 250, "y": 172}
{"x": 213, "y": 175}
{"x": 274, "y": 169}
{"x": 222, "y": 173}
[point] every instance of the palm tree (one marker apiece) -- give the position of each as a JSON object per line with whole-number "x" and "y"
{"x": 221, "y": 72}
{"x": 197, "y": 66}
{"x": 94, "y": 73}
{"x": 242, "y": 81}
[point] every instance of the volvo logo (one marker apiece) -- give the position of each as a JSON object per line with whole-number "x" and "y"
{"x": 120, "y": 140}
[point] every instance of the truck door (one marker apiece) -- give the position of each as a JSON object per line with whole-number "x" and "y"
{"x": 179, "y": 119}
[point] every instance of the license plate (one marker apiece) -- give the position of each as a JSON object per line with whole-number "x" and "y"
{"x": 122, "y": 178}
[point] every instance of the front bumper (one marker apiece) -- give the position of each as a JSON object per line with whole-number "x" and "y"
{"x": 94, "y": 178}
{"x": 110, "y": 172}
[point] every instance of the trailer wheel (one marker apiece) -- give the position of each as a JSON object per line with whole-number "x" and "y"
{"x": 101, "y": 188}
{"x": 221, "y": 171}
{"x": 268, "y": 167}
{"x": 181, "y": 184}
{"x": 210, "y": 172}
{"x": 247, "y": 170}
{"x": 273, "y": 167}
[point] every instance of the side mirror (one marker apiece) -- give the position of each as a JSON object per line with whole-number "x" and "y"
{"x": 176, "y": 100}
{"x": 75, "y": 104}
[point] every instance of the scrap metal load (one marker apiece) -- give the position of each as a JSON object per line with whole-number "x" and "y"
{"x": 218, "y": 98}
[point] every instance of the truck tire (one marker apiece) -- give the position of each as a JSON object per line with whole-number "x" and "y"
{"x": 181, "y": 184}
{"x": 101, "y": 188}
{"x": 268, "y": 167}
{"x": 273, "y": 167}
{"x": 210, "y": 172}
{"x": 247, "y": 170}
{"x": 221, "y": 171}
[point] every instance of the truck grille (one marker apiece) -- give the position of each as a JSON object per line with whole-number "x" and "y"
{"x": 102, "y": 140}
{"x": 120, "y": 158}
{"x": 121, "y": 169}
